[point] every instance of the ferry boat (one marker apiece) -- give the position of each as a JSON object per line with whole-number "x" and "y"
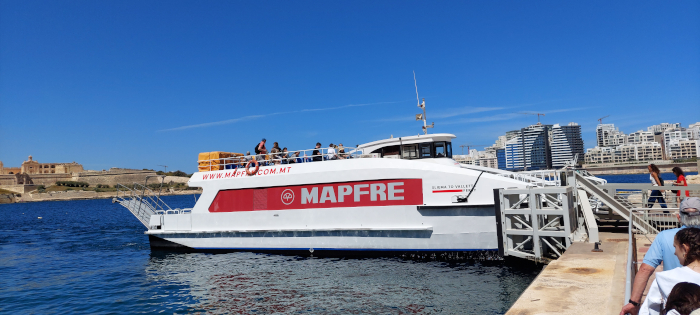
{"x": 402, "y": 194}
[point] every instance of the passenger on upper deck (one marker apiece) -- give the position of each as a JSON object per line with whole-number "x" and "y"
{"x": 331, "y": 153}
{"x": 341, "y": 152}
{"x": 294, "y": 158}
{"x": 316, "y": 154}
{"x": 260, "y": 149}
{"x": 275, "y": 153}
{"x": 246, "y": 158}
{"x": 284, "y": 156}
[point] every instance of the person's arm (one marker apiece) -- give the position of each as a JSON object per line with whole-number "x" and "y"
{"x": 656, "y": 178}
{"x": 640, "y": 283}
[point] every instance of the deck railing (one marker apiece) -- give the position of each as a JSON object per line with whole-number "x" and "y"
{"x": 290, "y": 157}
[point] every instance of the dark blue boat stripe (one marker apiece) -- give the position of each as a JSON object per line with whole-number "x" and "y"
{"x": 353, "y": 249}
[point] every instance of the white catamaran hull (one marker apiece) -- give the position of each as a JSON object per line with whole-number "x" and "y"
{"x": 370, "y": 204}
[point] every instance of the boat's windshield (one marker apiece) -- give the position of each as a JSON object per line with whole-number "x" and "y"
{"x": 426, "y": 150}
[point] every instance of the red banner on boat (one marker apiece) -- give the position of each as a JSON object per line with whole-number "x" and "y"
{"x": 393, "y": 192}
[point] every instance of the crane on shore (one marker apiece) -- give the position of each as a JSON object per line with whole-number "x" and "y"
{"x": 538, "y": 115}
{"x": 600, "y": 120}
{"x": 166, "y": 168}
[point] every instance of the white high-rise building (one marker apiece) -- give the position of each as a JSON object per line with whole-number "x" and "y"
{"x": 662, "y": 127}
{"x": 514, "y": 154}
{"x": 674, "y": 135}
{"x": 683, "y": 149}
{"x": 609, "y": 136}
{"x": 640, "y": 137}
{"x": 566, "y": 144}
{"x": 600, "y": 155}
{"x": 694, "y": 131}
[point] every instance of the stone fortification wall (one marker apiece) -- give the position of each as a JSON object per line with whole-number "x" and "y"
{"x": 111, "y": 177}
{"x": 114, "y": 176}
{"x": 20, "y": 189}
{"x": 7, "y": 179}
{"x": 48, "y": 179}
{"x": 36, "y": 179}
{"x": 175, "y": 179}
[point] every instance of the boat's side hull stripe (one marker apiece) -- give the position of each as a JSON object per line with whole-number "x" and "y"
{"x": 270, "y": 234}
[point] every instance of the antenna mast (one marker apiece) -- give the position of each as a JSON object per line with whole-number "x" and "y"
{"x": 422, "y": 106}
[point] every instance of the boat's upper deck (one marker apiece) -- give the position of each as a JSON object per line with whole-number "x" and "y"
{"x": 432, "y": 146}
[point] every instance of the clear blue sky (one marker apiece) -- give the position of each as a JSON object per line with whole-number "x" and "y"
{"x": 141, "y": 83}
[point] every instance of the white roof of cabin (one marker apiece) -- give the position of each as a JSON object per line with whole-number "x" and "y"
{"x": 371, "y": 146}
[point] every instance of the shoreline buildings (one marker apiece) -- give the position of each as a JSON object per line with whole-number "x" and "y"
{"x": 540, "y": 147}
{"x": 535, "y": 147}
{"x": 659, "y": 142}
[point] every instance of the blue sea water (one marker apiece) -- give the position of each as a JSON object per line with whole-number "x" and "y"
{"x": 639, "y": 178}
{"x": 91, "y": 257}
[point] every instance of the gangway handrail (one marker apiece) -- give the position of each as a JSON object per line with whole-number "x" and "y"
{"x": 614, "y": 204}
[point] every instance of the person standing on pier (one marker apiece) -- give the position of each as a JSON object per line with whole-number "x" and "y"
{"x": 656, "y": 180}
{"x": 680, "y": 181}
{"x": 662, "y": 250}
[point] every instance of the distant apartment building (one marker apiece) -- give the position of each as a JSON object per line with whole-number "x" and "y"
{"x": 662, "y": 127}
{"x": 683, "y": 149}
{"x": 566, "y": 144}
{"x": 609, "y": 136}
{"x": 694, "y": 131}
{"x": 672, "y": 137}
{"x": 530, "y": 150}
{"x": 662, "y": 141}
{"x": 640, "y": 137}
{"x": 646, "y": 151}
{"x": 600, "y": 155}
{"x": 501, "y": 158}
{"x": 514, "y": 155}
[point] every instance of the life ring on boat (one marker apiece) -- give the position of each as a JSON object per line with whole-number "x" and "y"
{"x": 247, "y": 168}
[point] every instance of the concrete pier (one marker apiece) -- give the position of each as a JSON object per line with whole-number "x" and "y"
{"x": 580, "y": 281}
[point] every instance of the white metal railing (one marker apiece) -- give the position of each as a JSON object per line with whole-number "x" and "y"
{"x": 279, "y": 158}
{"x": 638, "y": 194}
{"x": 549, "y": 178}
{"x": 661, "y": 219}
{"x": 143, "y": 202}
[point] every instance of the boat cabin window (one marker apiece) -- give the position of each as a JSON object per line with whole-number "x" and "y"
{"x": 443, "y": 149}
{"x": 440, "y": 150}
{"x": 418, "y": 151}
{"x": 425, "y": 150}
{"x": 410, "y": 151}
{"x": 392, "y": 150}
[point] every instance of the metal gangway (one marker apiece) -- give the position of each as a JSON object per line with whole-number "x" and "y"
{"x": 617, "y": 204}
{"x": 142, "y": 201}
{"x": 540, "y": 223}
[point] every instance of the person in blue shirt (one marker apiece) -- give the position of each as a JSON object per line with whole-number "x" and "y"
{"x": 662, "y": 250}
